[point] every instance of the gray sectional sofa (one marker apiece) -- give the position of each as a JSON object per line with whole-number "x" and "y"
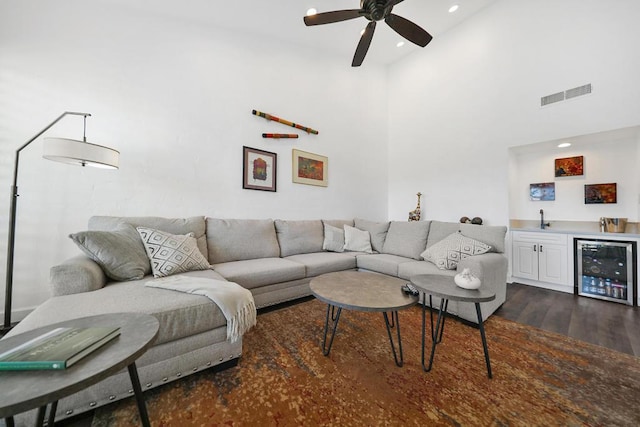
{"x": 274, "y": 259}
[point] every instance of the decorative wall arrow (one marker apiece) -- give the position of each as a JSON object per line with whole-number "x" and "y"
{"x": 284, "y": 122}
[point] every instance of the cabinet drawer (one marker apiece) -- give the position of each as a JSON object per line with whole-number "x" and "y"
{"x": 541, "y": 237}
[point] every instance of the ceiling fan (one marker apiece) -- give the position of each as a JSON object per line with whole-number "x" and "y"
{"x": 374, "y": 11}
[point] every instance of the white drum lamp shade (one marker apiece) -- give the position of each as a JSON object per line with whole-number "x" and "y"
{"x": 80, "y": 153}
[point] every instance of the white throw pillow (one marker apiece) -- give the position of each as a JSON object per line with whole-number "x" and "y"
{"x": 333, "y": 239}
{"x": 171, "y": 254}
{"x": 357, "y": 240}
{"x": 446, "y": 253}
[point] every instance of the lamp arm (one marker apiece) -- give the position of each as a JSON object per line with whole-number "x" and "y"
{"x": 12, "y": 219}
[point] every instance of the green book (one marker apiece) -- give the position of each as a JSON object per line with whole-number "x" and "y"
{"x": 56, "y": 349}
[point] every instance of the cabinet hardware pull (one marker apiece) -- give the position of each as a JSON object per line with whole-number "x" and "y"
{"x": 540, "y": 248}
{"x": 535, "y": 248}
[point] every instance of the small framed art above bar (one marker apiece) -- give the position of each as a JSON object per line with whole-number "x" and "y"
{"x": 542, "y": 192}
{"x": 569, "y": 166}
{"x": 600, "y": 193}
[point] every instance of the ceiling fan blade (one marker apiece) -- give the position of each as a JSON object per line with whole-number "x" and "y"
{"x": 408, "y": 30}
{"x": 363, "y": 45}
{"x": 331, "y": 17}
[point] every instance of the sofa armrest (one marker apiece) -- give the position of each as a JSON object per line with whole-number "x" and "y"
{"x": 491, "y": 268}
{"x": 76, "y": 275}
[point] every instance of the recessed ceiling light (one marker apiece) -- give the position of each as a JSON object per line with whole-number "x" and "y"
{"x": 400, "y": 44}
{"x": 564, "y": 145}
{"x": 453, "y": 8}
{"x": 311, "y": 11}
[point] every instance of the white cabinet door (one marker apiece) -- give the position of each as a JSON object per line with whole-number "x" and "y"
{"x": 552, "y": 263}
{"x": 525, "y": 260}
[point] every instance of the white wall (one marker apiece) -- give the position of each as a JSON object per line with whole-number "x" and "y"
{"x": 176, "y": 99}
{"x": 458, "y": 105}
{"x": 609, "y": 157}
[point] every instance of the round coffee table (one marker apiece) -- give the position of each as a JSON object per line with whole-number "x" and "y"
{"x": 26, "y": 390}
{"x": 445, "y": 288}
{"x": 362, "y": 291}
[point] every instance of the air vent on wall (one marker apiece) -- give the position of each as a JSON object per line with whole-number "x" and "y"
{"x": 550, "y": 99}
{"x": 568, "y": 94}
{"x": 578, "y": 91}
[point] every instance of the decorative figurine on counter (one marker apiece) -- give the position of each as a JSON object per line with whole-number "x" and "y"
{"x": 414, "y": 215}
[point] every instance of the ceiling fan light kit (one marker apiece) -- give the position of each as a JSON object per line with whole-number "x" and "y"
{"x": 373, "y": 11}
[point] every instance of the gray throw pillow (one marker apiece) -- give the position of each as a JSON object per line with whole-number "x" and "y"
{"x": 120, "y": 253}
{"x": 357, "y": 240}
{"x": 171, "y": 254}
{"x": 452, "y": 249}
{"x": 333, "y": 239}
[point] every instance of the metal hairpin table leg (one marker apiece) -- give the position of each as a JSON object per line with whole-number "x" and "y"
{"x": 484, "y": 340}
{"x": 334, "y": 319}
{"x": 390, "y": 325}
{"x": 137, "y": 389}
{"x": 436, "y": 335}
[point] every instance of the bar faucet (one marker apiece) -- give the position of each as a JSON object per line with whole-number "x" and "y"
{"x": 542, "y": 223}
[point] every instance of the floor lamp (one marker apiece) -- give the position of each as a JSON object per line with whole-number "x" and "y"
{"x": 64, "y": 150}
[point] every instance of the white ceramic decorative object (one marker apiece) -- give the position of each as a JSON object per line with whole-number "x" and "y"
{"x": 467, "y": 280}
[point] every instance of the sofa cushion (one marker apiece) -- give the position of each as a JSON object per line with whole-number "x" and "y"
{"x": 333, "y": 239}
{"x": 407, "y": 239}
{"x": 449, "y": 251}
{"x": 377, "y": 231}
{"x": 193, "y": 225}
{"x": 492, "y": 235}
{"x": 408, "y": 269}
{"x": 240, "y": 239}
{"x": 357, "y": 240}
{"x": 438, "y": 230}
{"x": 120, "y": 253}
{"x": 381, "y": 263}
{"x": 299, "y": 237}
{"x": 180, "y": 314}
{"x": 254, "y": 273}
{"x": 170, "y": 253}
{"x": 324, "y": 262}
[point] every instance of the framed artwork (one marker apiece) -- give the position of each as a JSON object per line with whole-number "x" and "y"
{"x": 259, "y": 169}
{"x": 309, "y": 168}
{"x": 600, "y": 193}
{"x": 569, "y": 166}
{"x": 544, "y": 191}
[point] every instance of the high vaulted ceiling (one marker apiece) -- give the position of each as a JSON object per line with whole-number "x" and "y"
{"x": 283, "y": 20}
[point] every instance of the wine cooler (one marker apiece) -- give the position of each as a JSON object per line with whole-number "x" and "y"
{"x": 606, "y": 269}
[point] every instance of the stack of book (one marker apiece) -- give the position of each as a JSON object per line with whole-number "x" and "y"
{"x": 56, "y": 349}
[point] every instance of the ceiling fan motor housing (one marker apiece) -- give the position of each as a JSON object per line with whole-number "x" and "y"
{"x": 376, "y": 10}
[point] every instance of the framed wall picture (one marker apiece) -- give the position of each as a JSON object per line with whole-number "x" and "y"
{"x": 600, "y": 193}
{"x": 544, "y": 191}
{"x": 259, "y": 169}
{"x": 569, "y": 166}
{"x": 309, "y": 168}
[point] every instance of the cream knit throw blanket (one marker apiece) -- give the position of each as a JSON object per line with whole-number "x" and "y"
{"x": 236, "y": 302}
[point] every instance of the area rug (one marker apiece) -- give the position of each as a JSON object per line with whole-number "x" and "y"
{"x": 283, "y": 379}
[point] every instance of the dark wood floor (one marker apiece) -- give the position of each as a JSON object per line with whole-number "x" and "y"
{"x": 608, "y": 324}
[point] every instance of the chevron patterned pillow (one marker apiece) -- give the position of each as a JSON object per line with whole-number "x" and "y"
{"x": 171, "y": 254}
